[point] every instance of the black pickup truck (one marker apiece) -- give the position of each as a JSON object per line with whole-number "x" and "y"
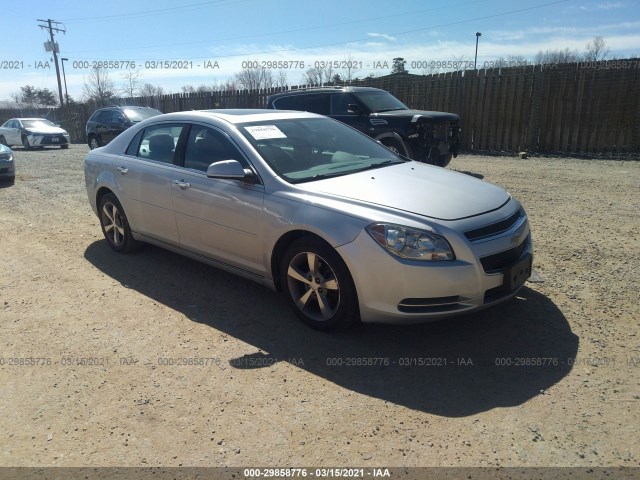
{"x": 430, "y": 137}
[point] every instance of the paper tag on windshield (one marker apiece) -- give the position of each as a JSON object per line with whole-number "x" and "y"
{"x": 265, "y": 132}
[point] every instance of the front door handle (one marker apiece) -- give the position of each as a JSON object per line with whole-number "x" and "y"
{"x": 182, "y": 184}
{"x": 122, "y": 170}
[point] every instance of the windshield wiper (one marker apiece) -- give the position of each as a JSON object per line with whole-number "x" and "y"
{"x": 373, "y": 166}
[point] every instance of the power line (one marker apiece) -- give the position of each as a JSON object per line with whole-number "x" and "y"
{"x": 458, "y": 22}
{"x": 150, "y": 13}
{"x": 282, "y": 32}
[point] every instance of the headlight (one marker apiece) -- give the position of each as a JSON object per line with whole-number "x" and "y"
{"x": 6, "y": 156}
{"x": 411, "y": 243}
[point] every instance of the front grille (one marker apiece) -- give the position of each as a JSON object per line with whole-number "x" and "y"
{"x": 494, "y": 228}
{"x": 495, "y": 263}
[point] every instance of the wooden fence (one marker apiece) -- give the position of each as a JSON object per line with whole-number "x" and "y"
{"x": 564, "y": 109}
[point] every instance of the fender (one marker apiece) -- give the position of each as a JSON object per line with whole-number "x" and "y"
{"x": 397, "y": 138}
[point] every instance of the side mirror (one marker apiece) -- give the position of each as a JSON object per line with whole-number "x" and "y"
{"x": 231, "y": 169}
{"x": 354, "y": 108}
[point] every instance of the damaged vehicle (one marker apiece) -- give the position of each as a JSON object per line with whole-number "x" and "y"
{"x": 424, "y": 136}
{"x": 33, "y": 132}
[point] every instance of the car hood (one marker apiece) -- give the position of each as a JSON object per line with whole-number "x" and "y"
{"x": 416, "y": 188}
{"x": 46, "y": 130}
{"x": 416, "y": 114}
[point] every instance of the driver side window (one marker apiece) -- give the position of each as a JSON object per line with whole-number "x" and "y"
{"x": 206, "y": 146}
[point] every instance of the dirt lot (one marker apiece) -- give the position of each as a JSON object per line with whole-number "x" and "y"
{"x": 107, "y": 333}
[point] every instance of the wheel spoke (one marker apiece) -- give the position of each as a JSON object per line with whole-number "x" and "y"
{"x": 330, "y": 284}
{"x": 297, "y": 275}
{"x": 325, "y": 309}
{"x": 304, "y": 299}
{"x": 105, "y": 210}
{"x": 312, "y": 260}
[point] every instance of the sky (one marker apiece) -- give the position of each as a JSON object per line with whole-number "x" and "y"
{"x": 197, "y": 42}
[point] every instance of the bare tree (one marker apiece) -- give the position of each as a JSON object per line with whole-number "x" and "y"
{"x": 352, "y": 67}
{"x": 557, "y": 56}
{"x": 597, "y": 49}
{"x": 281, "y": 79}
{"x": 254, "y": 78}
{"x": 16, "y": 98}
{"x": 313, "y": 76}
{"x": 98, "y": 87}
{"x": 148, "y": 90}
{"x": 132, "y": 82}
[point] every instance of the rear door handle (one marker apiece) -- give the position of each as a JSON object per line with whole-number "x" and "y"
{"x": 122, "y": 170}
{"x": 182, "y": 184}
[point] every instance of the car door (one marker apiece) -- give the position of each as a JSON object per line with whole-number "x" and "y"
{"x": 219, "y": 218}
{"x": 14, "y": 133}
{"x": 143, "y": 177}
{"x": 105, "y": 125}
{"x": 341, "y": 110}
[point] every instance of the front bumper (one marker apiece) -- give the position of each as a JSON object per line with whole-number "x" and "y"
{"x": 7, "y": 170}
{"x": 40, "y": 140}
{"x": 392, "y": 290}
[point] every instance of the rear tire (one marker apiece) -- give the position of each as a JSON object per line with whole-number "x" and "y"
{"x": 115, "y": 225}
{"x": 3, "y": 141}
{"x": 318, "y": 286}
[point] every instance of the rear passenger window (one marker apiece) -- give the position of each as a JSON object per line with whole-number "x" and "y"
{"x": 159, "y": 142}
{"x": 132, "y": 149}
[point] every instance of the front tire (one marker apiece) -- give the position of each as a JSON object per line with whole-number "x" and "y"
{"x": 94, "y": 142}
{"x": 66, "y": 145}
{"x": 394, "y": 145}
{"x": 115, "y": 225}
{"x": 318, "y": 285}
{"x": 25, "y": 143}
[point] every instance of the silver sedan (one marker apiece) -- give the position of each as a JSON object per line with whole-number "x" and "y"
{"x": 346, "y": 229}
{"x": 7, "y": 164}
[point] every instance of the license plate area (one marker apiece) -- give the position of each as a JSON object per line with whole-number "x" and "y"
{"x": 55, "y": 139}
{"x": 516, "y": 275}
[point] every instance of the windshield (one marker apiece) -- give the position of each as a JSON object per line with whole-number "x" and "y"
{"x": 380, "y": 101}
{"x": 307, "y": 149}
{"x": 139, "y": 114}
{"x": 37, "y": 123}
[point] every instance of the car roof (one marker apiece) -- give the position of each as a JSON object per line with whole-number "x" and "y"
{"x": 29, "y": 118}
{"x": 237, "y": 115}
{"x": 122, "y": 107}
{"x": 341, "y": 88}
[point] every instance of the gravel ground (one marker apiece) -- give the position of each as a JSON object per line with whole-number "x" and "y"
{"x": 551, "y": 378}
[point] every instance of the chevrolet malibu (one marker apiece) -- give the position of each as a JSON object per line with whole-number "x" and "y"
{"x": 345, "y": 228}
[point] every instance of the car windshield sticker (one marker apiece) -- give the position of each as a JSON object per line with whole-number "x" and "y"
{"x": 265, "y": 132}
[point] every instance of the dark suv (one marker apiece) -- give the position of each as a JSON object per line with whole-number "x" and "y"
{"x": 431, "y": 137}
{"x": 107, "y": 123}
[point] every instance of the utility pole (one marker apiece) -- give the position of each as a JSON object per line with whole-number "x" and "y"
{"x": 51, "y": 29}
